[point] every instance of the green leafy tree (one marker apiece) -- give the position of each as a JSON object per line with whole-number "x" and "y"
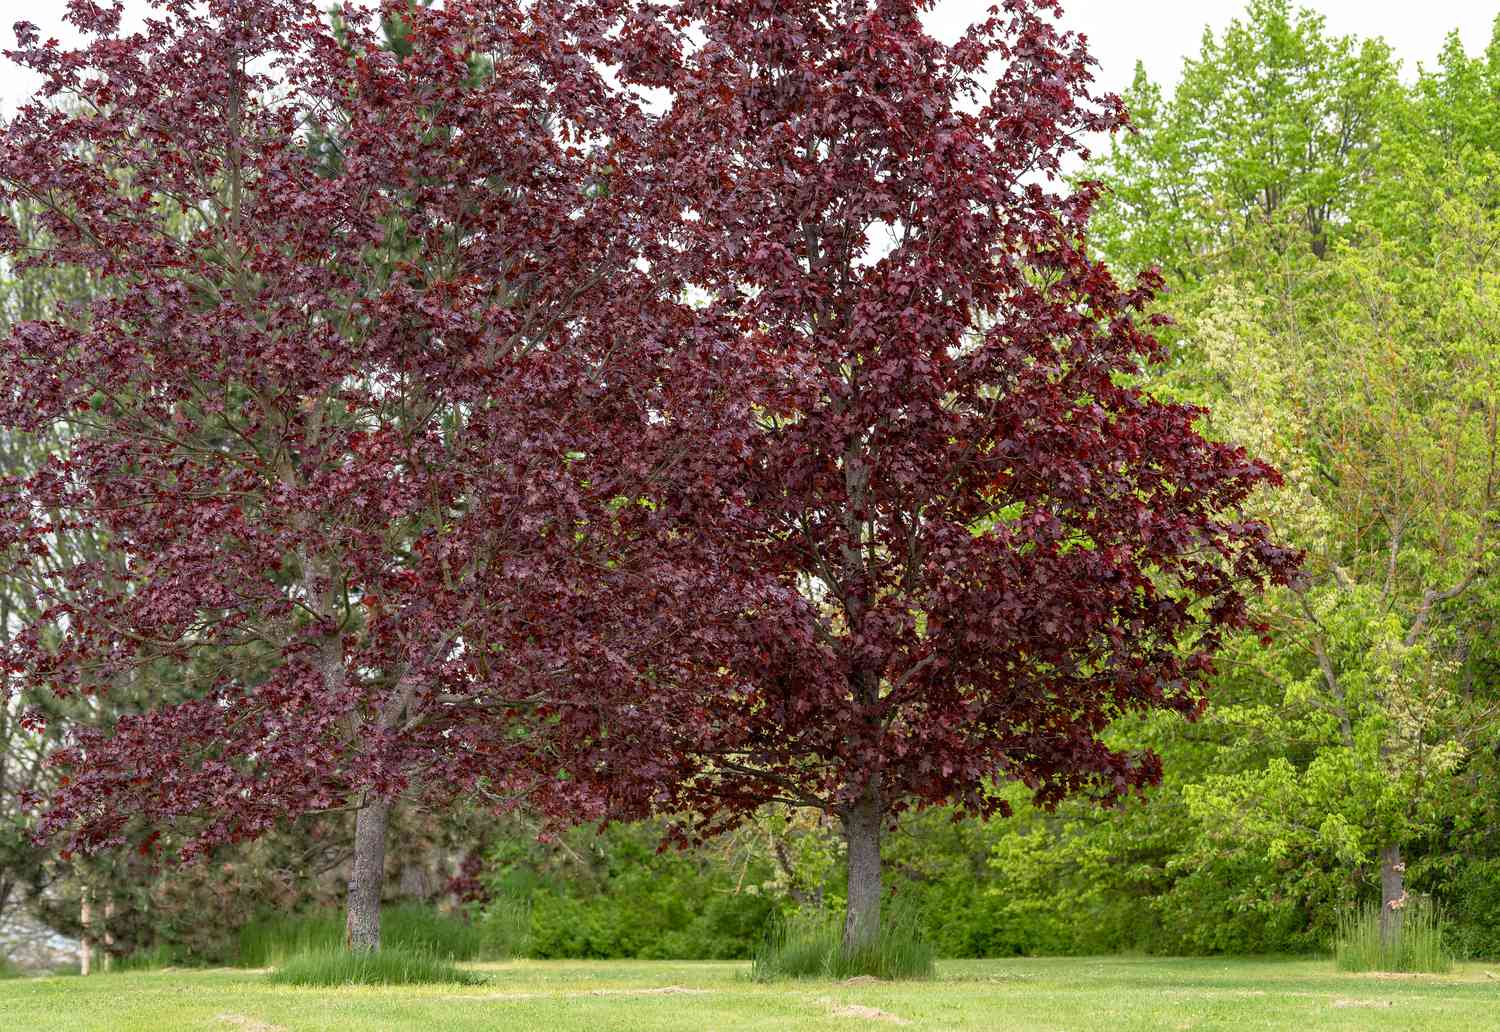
{"x": 1375, "y": 382}
{"x": 1442, "y": 139}
{"x": 1270, "y": 131}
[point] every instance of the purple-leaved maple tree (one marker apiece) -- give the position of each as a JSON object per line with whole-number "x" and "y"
{"x": 962, "y": 539}
{"x": 354, "y": 412}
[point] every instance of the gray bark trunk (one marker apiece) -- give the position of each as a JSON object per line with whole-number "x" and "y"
{"x": 362, "y": 927}
{"x": 1392, "y": 894}
{"x": 86, "y": 939}
{"x": 862, "y": 823}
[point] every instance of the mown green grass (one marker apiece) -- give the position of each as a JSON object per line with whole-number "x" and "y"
{"x": 1076, "y": 995}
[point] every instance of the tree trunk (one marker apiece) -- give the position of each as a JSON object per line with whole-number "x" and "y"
{"x": 1392, "y": 894}
{"x": 107, "y": 960}
{"x": 86, "y": 939}
{"x": 362, "y": 929}
{"x": 862, "y": 823}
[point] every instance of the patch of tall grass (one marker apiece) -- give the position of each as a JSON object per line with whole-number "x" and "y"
{"x": 504, "y": 929}
{"x": 1416, "y": 945}
{"x": 390, "y": 965}
{"x": 408, "y": 926}
{"x": 275, "y": 937}
{"x": 151, "y": 958}
{"x": 811, "y": 945}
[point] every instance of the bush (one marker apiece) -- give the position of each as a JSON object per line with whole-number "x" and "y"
{"x": 1472, "y": 910}
{"x": 409, "y": 927}
{"x": 613, "y": 895}
{"x": 811, "y": 945}
{"x": 1416, "y": 946}
{"x": 387, "y": 966}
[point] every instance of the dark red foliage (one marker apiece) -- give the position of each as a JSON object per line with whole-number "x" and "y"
{"x": 466, "y": 886}
{"x": 958, "y": 541}
{"x": 351, "y": 408}
{"x": 457, "y": 431}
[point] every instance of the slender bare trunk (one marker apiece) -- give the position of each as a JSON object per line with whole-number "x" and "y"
{"x": 362, "y": 928}
{"x": 86, "y": 939}
{"x": 367, "y": 876}
{"x": 862, "y": 823}
{"x": 107, "y": 934}
{"x": 1392, "y": 894}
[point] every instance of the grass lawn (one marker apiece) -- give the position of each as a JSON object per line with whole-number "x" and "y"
{"x": 1114, "y": 994}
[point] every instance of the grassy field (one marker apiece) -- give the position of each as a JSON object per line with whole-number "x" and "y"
{"x": 1107, "y": 994}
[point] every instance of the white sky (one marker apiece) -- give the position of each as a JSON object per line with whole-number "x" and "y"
{"x": 1159, "y": 32}
{"x": 1162, "y": 32}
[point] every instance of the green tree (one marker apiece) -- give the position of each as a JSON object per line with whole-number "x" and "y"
{"x": 1441, "y": 139}
{"x": 1374, "y": 381}
{"x": 1270, "y": 131}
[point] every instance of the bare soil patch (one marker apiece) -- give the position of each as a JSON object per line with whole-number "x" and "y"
{"x": 666, "y": 990}
{"x": 248, "y": 1024}
{"x": 854, "y": 1010}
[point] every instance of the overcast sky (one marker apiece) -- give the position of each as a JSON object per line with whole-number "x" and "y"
{"x": 1159, "y": 32}
{"x": 1163, "y": 32}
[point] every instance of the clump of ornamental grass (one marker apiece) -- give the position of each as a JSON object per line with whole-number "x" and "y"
{"x": 811, "y": 945}
{"x": 269, "y": 940}
{"x": 392, "y": 965}
{"x": 1415, "y": 943}
{"x": 272, "y": 939}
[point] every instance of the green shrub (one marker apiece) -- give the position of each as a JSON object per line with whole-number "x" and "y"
{"x": 409, "y": 926}
{"x": 613, "y": 895}
{"x": 1416, "y": 946}
{"x": 1472, "y": 909}
{"x": 810, "y": 945}
{"x": 390, "y": 965}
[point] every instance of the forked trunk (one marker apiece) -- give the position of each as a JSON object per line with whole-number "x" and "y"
{"x": 362, "y": 928}
{"x": 862, "y": 836}
{"x": 1392, "y": 894}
